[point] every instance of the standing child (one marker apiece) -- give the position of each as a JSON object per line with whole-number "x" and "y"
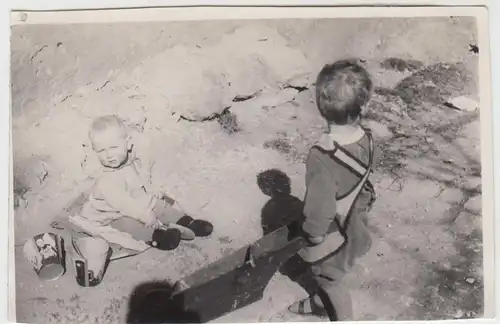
{"x": 342, "y": 90}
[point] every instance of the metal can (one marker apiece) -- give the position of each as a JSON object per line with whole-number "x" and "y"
{"x": 46, "y": 253}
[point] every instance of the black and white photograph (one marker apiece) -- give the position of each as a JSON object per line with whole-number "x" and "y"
{"x": 301, "y": 168}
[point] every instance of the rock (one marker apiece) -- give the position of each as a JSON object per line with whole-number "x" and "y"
{"x": 470, "y": 280}
{"x": 229, "y": 122}
{"x": 474, "y": 204}
{"x": 463, "y": 103}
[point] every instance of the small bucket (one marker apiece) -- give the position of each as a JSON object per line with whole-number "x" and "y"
{"x": 90, "y": 259}
{"x": 46, "y": 253}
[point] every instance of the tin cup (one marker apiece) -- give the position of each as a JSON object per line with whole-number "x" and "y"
{"x": 46, "y": 253}
{"x": 90, "y": 258}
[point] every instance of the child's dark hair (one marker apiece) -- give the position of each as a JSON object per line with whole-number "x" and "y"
{"x": 342, "y": 89}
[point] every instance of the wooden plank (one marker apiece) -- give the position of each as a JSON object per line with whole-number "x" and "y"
{"x": 273, "y": 242}
{"x": 237, "y": 280}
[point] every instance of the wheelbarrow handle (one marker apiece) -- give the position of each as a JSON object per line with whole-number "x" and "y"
{"x": 250, "y": 256}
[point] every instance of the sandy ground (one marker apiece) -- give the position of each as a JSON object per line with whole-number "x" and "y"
{"x": 221, "y": 102}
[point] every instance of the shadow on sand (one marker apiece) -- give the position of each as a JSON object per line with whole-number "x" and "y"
{"x": 280, "y": 210}
{"x": 151, "y": 302}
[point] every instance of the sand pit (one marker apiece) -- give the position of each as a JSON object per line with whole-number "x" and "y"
{"x": 215, "y": 104}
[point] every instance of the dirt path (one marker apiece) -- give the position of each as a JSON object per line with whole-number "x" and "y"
{"x": 426, "y": 259}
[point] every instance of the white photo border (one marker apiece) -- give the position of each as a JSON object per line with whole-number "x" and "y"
{"x": 184, "y": 12}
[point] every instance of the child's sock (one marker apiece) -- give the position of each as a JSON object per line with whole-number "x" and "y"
{"x": 186, "y": 233}
{"x": 200, "y": 227}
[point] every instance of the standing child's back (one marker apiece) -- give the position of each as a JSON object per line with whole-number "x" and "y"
{"x": 342, "y": 90}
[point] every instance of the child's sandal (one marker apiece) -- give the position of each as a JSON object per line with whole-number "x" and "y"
{"x": 200, "y": 227}
{"x": 299, "y": 308}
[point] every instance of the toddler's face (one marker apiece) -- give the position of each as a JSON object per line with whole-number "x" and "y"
{"x": 111, "y": 148}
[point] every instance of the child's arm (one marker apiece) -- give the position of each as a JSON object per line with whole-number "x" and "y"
{"x": 320, "y": 204}
{"x": 114, "y": 192}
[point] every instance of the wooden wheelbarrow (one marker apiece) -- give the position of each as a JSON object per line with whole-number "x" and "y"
{"x": 237, "y": 280}
{"x": 241, "y": 278}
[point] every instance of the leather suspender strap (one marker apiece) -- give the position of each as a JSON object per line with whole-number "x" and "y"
{"x": 343, "y": 157}
{"x": 336, "y": 239}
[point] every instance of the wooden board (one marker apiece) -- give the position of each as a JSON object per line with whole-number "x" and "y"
{"x": 237, "y": 280}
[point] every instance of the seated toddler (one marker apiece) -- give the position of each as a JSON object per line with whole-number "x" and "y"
{"x": 120, "y": 199}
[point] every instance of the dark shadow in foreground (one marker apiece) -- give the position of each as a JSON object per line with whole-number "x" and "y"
{"x": 151, "y": 302}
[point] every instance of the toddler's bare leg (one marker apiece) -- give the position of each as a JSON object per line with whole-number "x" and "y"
{"x": 189, "y": 227}
{"x": 135, "y": 228}
{"x": 165, "y": 213}
{"x": 169, "y": 216}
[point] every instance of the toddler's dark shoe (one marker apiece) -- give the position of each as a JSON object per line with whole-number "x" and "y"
{"x": 201, "y": 228}
{"x": 166, "y": 239}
